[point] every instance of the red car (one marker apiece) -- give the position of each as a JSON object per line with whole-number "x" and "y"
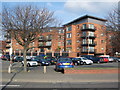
{"x": 104, "y": 59}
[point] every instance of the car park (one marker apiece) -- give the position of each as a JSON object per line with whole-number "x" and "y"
{"x": 77, "y": 61}
{"x": 85, "y": 60}
{"x": 63, "y": 63}
{"x": 30, "y": 63}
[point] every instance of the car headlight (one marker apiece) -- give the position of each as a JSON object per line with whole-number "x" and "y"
{"x": 43, "y": 62}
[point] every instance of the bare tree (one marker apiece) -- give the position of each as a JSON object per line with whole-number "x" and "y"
{"x": 25, "y": 23}
{"x": 113, "y": 26}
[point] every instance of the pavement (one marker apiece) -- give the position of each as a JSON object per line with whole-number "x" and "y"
{"x": 37, "y": 75}
{"x": 36, "y": 78}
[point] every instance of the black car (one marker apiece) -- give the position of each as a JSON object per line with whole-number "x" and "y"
{"x": 77, "y": 61}
{"x": 52, "y": 60}
{"x": 93, "y": 58}
{"x": 18, "y": 59}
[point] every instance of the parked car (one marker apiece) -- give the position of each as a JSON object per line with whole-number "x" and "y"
{"x": 30, "y": 63}
{"x": 43, "y": 62}
{"x": 5, "y": 57}
{"x": 52, "y": 60}
{"x": 85, "y": 60}
{"x": 116, "y": 59}
{"x": 63, "y": 63}
{"x": 18, "y": 59}
{"x": 77, "y": 61}
{"x": 110, "y": 59}
{"x": 104, "y": 59}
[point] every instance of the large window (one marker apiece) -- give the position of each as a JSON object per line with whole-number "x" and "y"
{"x": 91, "y": 26}
{"x": 61, "y": 31}
{"x": 90, "y": 41}
{"x": 84, "y": 33}
{"x": 84, "y": 26}
{"x": 69, "y": 35}
{"x": 68, "y": 28}
{"x": 69, "y": 42}
{"x": 84, "y": 41}
{"x": 91, "y": 49}
{"x": 84, "y": 49}
{"x": 48, "y": 43}
{"x": 90, "y": 33}
{"x": 68, "y": 48}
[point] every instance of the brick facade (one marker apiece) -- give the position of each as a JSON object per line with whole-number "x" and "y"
{"x": 74, "y": 37}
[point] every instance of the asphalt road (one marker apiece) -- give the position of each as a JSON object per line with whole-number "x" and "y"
{"x": 35, "y": 78}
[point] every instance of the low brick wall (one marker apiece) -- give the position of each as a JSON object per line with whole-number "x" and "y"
{"x": 90, "y": 71}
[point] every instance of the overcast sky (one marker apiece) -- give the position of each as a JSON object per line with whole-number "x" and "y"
{"x": 68, "y": 10}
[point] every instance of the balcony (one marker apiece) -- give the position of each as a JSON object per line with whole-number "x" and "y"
{"x": 90, "y": 51}
{"x": 88, "y": 29}
{"x": 7, "y": 46}
{"x": 91, "y": 37}
{"x": 89, "y": 44}
{"x": 44, "y": 46}
{"x": 8, "y": 41}
{"x": 44, "y": 39}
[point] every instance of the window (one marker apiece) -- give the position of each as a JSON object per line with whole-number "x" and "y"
{"x": 69, "y": 42}
{"x": 78, "y": 26}
{"x": 91, "y": 49}
{"x": 61, "y": 31}
{"x": 17, "y": 44}
{"x": 84, "y": 26}
{"x": 41, "y": 44}
{"x": 90, "y": 33}
{"x": 41, "y": 37}
{"x": 91, "y": 26}
{"x": 78, "y": 41}
{"x": 48, "y": 43}
{"x": 102, "y": 34}
{"x": 68, "y": 48}
{"x": 84, "y": 41}
{"x": 68, "y": 28}
{"x": 84, "y": 49}
{"x": 69, "y": 35}
{"x": 84, "y": 33}
{"x": 90, "y": 41}
{"x": 59, "y": 43}
{"x": 102, "y": 48}
{"x": 102, "y": 41}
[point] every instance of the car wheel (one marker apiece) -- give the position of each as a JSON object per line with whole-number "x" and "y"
{"x": 98, "y": 62}
{"x": 76, "y": 64}
{"x": 84, "y": 63}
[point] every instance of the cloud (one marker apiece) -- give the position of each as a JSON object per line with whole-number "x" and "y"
{"x": 97, "y": 8}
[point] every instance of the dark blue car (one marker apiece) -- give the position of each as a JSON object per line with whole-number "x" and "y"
{"x": 63, "y": 63}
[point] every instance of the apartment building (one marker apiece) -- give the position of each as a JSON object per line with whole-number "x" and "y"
{"x": 83, "y": 36}
{"x": 86, "y": 36}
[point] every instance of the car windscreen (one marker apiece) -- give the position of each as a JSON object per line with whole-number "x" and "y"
{"x": 84, "y": 58}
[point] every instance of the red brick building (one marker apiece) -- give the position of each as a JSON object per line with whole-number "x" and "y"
{"x": 85, "y": 35}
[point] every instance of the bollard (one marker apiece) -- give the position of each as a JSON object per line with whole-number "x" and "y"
{"x": 45, "y": 69}
{"x": 9, "y": 68}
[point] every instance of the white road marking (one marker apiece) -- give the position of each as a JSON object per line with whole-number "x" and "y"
{"x": 11, "y": 85}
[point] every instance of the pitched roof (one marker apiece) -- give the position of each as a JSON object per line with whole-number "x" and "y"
{"x": 83, "y": 17}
